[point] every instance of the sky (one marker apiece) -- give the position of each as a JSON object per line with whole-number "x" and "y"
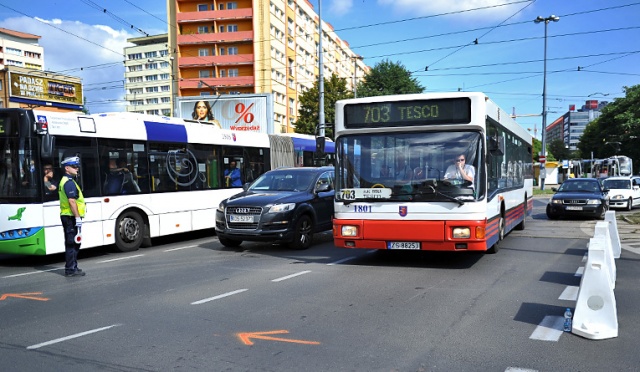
{"x": 491, "y": 46}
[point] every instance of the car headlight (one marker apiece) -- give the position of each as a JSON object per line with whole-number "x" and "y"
{"x": 618, "y": 197}
{"x": 594, "y": 201}
{"x": 556, "y": 201}
{"x": 278, "y": 208}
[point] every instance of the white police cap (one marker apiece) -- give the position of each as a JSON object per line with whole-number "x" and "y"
{"x": 72, "y": 160}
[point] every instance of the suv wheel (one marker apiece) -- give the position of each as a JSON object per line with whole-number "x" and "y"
{"x": 303, "y": 233}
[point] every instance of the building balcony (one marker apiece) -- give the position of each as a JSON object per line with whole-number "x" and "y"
{"x": 218, "y": 37}
{"x": 214, "y": 15}
{"x": 236, "y": 59}
{"x": 223, "y": 83}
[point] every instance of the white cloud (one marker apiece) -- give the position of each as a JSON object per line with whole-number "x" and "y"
{"x": 432, "y": 7}
{"x": 71, "y": 45}
{"x": 340, "y": 7}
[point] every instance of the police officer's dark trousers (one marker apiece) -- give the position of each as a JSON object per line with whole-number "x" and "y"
{"x": 71, "y": 249}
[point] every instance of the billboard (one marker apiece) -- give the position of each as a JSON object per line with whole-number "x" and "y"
{"x": 44, "y": 89}
{"x": 241, "y": 112}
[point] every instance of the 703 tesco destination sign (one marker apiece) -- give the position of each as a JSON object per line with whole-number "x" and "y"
{"x": 407, "y": 113}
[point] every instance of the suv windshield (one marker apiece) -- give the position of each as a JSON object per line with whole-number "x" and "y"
{"x": 427, "y": 166}
{"x": 283, "y": 180}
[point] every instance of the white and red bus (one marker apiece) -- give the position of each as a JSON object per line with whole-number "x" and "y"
{"x": 395, "y": 156}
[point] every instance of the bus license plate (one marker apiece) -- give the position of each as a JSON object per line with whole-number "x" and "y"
{"x": 571, "y": 208}
{"x": 240, "y": 218}
{"x": 403, "y": 245}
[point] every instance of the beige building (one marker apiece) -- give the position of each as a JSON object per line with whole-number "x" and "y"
{"x": 148, "y": 76}
{"x": 255, "y": 46}
{"x": 20, "y": 49}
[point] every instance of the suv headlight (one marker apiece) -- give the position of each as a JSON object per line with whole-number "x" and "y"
{"x": 221, "y": 207}
{"x": 278, "y": 208}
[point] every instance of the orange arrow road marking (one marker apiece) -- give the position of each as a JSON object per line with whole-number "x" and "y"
{"x": 26, "y": 296}
{"x": 246, "y": 337}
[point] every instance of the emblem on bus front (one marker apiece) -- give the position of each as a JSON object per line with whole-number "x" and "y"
{"x": 402, "y": 210}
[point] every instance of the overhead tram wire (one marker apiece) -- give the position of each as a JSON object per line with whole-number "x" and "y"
{"x": 112, "y": 15}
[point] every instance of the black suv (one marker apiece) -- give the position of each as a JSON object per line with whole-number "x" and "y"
{"x": 285, "y": 205}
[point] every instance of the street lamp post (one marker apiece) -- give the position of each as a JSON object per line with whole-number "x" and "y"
{"x": 546, "y": 21}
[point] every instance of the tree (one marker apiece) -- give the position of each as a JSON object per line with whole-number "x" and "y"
{"x": 388, "y": 78}
{"x": 616, "y": 131}
{"x": 558, "y": 149}
{"x": 537, "y": 148}
{"x": 85, "y": 109}
{"x": 334, "y": 89}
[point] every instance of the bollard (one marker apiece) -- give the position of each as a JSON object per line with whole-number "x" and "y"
{"x": 610, "y": 217}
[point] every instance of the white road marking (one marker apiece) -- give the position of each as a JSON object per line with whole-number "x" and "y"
{"x": 179, "y": 248}
{"x": 121, "y": 258}
{"x": 518, "y": 369}
{"x": 550, "y": 329}
{"x": 570, "y": 293}
{"x": 291, "y": 276}
{"x": 70, "y": 337}
{"x": 32, "y": 272}
{"x": 579, "y": 272}
{"x": 341, "y": 261}
{"x": 219, "y": 296}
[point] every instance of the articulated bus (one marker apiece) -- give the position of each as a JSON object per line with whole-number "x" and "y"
{"x": 613, "y": 166}
{"x": 142, "y": 176}
{"x": 397, "y": 184}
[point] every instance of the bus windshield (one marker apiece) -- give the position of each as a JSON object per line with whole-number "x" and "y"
{"x": 19, "y": 177}
{"x": 416, "y": 166}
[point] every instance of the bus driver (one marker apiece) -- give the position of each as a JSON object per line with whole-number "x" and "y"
{"x": 460, "y": 170}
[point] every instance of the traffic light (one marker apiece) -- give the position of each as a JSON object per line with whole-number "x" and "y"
{"x": 320, "y": 146}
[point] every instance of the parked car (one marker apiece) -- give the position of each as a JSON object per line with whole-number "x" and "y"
{"x": 624, "y": 192}
{"x": 578, "y": 197}
{"x": 285, "y": 205}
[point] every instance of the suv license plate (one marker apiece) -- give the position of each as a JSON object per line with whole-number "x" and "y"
{"x": 403, "y": 245}
{"x": 240, "y": 218}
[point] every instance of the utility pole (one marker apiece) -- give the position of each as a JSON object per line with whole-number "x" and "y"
{"x": 321, "y": 124}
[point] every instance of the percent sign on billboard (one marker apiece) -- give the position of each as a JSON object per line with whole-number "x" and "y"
{"x": 244, "y": 113}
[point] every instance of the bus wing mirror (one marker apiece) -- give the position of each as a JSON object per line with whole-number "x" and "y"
{"x": 48, "y": 143}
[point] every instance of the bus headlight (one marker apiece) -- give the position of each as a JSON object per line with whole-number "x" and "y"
{"x": 461, "y": 232}
{"x": 348, "y": 230}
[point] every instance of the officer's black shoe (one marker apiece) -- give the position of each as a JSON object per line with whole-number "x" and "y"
{"x": 75, "y": 273}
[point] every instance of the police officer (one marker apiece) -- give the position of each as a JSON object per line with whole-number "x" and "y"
{"x": 72, "y": 208}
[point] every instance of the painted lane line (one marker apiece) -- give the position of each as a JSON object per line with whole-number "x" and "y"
{"x": 179, "y": 248}
{"x": 341, "y": 261}
{"x": 57, "y": 340}
{"x": 517, "y": 369}
{"x": 32, "y": 272}
{"x": 579, "y": 272}
{"x": 550, "y": 329}
{"x": 219, "y": 296}
{"x": 291, "y": 276}
{"x": 570, "y": 293}
{"x": 121, "y": 258}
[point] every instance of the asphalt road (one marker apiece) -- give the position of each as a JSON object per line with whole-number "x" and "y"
{"x": 188, "y": 303}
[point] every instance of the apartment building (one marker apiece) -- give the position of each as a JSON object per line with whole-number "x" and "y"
{"x": 148, "y": 76}
{"x": 20, "y": 49}
{"x": 255, "y": 46}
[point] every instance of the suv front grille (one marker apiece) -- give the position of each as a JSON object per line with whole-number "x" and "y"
{"x": 255, "y": 212}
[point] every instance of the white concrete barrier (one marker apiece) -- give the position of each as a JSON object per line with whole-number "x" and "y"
{"x": 602, "y": 232}
{"x": 610, "y": 217}
{"x": 596, "y": 315}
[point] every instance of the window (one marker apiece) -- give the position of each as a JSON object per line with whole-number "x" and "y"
{"x": 223, "y": 51}
{"x": 221, "y": 28}
{"x": 233, "y": 72}
{"x": 165, "y": 88}
{"x": 203, "y": 73}
{"x": 150, "y": 54}
{"x": 135, "y": 68}
{"x": 221, "y": 6}
{"x": 203, "y": 7}
{"x": 151, "y": 77}
{"x": 232, "y": 5}
{"x": 165, "y": 76}
{"x": 137, "y": 79}
{"x": 152, "y": 100}
{"x": 223, "y": 73}
{"x": 203, "y": 29}
{"x": 232, "y": 50}
{"x": 151, "y": 89}
{"x": 165, "y": 99}
{"x": 232, "y": 28}
{"x": 203, "y": 52}
{"x": 135, "y": 56}
{"x": 151, "y": 66}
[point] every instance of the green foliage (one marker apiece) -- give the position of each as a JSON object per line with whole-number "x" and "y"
{"x": 537, "y": 148}
{"x": 334, "y": 89}
{"x": 388, "y": 78}
{"x": 616, "y": 131}
{"x": 556, "y": 147}
{"x": 85, "y": 109}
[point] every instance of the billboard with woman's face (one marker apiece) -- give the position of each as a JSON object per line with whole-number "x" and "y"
{"x": 248, "y": 112}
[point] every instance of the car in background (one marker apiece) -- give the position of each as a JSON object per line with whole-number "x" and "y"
{"x": 578, "y": 197}
{"x": 284, "y": 205}
{"x": 624, "y": 192}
